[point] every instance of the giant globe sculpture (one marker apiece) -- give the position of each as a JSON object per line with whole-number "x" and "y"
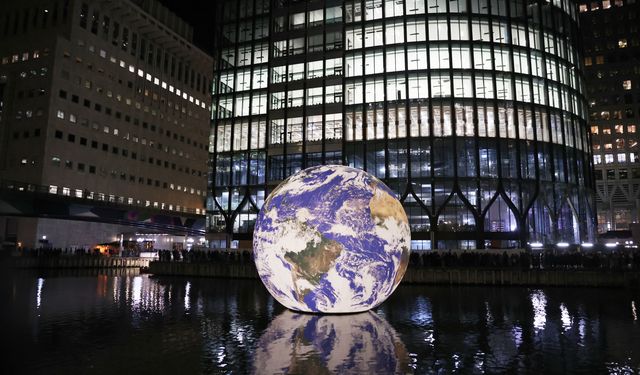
{"x": 331, "y": 239}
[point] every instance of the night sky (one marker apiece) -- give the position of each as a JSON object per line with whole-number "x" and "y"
{"x": 200, "y": 14}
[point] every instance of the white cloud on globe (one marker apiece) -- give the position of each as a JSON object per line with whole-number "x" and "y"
{"x": 331, "y": 239}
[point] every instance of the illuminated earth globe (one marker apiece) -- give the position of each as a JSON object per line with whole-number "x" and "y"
{"x": 330, "y": 344}
{"x": 331, "y": 239}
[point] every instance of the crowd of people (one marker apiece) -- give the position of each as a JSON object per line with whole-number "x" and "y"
{"x": 627, "y": 259}
{"x": 624, "y": 259}
{"x": 550, "y": 259}
{"x": 202, "y": 256}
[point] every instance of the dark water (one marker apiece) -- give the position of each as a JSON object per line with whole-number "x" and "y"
{"x": 135, "y": 324}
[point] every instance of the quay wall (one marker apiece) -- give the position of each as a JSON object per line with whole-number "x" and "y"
{"x": 434, "y": 276}
{"x": 65, "y": 262}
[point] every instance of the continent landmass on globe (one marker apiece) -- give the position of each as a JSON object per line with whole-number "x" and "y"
{"x": 313, "y": 262}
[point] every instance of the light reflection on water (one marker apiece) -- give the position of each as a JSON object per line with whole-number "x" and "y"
{"x": 128, "y": 323}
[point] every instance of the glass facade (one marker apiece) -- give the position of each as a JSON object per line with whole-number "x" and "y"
{"x": 472, "y": 111}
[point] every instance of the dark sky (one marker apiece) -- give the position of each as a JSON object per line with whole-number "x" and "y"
{"x": 200, "y": 14}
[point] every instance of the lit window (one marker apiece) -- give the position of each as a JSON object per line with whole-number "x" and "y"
{"x": 588, "y": 61}
{"x": 606, "y": 131}
{"x": 60, "y": 114}
{"x": 594, "y": 129}
{"x": 626, "y": 84}
{"x": 608, "y": 146}
{"x": 622, "y": 43}
{"x": 608, "y": 158}
{"x": 597, "y": 159}
{"x": 631, "y": 128}
{"x": 583, "y": 8}
{"x": 606, "y": 4}
{"x": 619, "y": 129}
{"x": 622, "y": 158}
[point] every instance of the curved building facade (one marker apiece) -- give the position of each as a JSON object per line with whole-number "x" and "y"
{"x": 472, "y": 111}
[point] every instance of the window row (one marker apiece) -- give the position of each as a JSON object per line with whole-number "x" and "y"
{"x": 457, "y": 30}
{"x": 378, "y": 9}
{"x": 24, "y": 56}
{"x": 105, "y": 197}
{"x": 314, "y": 69}
{"x": 467, "y": 157}
{"x": 459, "y": 57}
{"x": 141, "y": 95}
{"x": 118, "y": 150}
{"x": 201, "y": 83}
{"x": 314, "y": 43}
{"x": 619, "y": 144}
{"x": 243, "y": 105}
{"x": 82, "y": 167}
{"x": 133, "y": 137}
{"x": 312, "y": 18}
{"x": 60, "y": 114}
{"x": 623, "y": 174}
{"x": 241, "y": 136}
{"x": 247, "y": 54}
{"x": 371, "y": 124}
{"x": 617, "y": 129}
{"x": 310, "y": 129}
{"x": 421, "y": 86}
{"x": 633, "y": 157}
{"x": 314, "y": 96}
{"x": 155, "y": 55}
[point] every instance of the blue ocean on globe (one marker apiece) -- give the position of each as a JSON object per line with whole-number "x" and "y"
{"x": 331, "y": 239}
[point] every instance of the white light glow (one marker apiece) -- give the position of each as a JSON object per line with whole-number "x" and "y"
{"x": 39, "y": 292}
{"x": 536, "y": 245}
{"x": 539, "y": 303}
{"x": 562, "y": 244}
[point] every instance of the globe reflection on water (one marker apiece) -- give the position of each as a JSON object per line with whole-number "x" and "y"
{"x": 363, "y": 343}
{"x": 90, "y": 323}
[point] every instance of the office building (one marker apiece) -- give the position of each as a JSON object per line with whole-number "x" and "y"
{"x": 472, "y": 111}
{"x": 612, "y": 71}
{"x": 101, "y": 100}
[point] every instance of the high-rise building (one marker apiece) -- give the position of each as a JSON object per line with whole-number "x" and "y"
{"x": 472, "y": 111}
{"x": 612, "y": 71}
{"x": 101, "y": 100}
